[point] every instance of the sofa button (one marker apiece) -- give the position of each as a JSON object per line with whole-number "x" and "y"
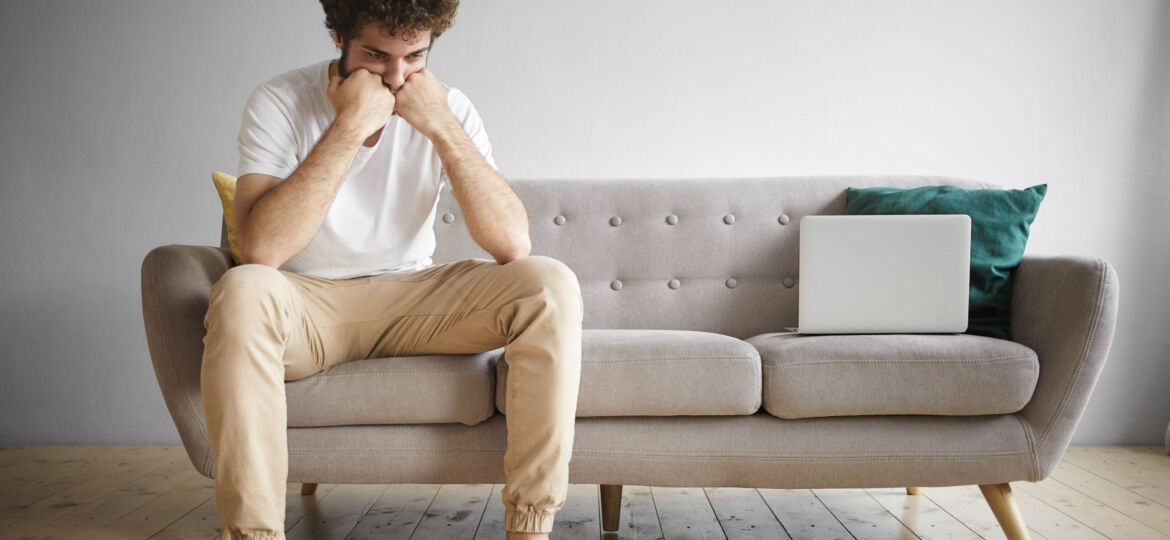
{"x": 789, "y": 282}
{"x": 673, "y": 284}
{"x": 559, "y": 220}
{"x": 615, "y": 221}
{"x": 732, "y": 283}
{"x": 616, "y": 284}
{"x": 448, "y": 217}
{"x": 671, "y": 219}
{"x": 729, "y": 219}
{"x": 783, "y": 219}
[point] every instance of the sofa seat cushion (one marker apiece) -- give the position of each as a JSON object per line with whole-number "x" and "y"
{"x": 397, "y": 390}
{"x": 808, "y": 376}
{"x": 660, "y": 373}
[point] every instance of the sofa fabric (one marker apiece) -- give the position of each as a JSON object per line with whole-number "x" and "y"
{"x": 1065, "y": 309}
{"x": 398, "y": 390}
{"x": 711, "y": 255}
{"x": 758, "y": 450}
{"x": 705, "y": 255}
{"x": 809, "y": 376}
{"x": 661, "y": 373}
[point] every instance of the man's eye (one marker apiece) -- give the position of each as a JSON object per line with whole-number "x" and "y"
{"x": 415, "y": 56}
{"x": 376, "y": 56}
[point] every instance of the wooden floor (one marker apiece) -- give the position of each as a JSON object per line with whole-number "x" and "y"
{"x": 69, "y": 492}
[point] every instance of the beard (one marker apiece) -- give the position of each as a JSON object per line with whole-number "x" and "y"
{"x": 342, "y": 64}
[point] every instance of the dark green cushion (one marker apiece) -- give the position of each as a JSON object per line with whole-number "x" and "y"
{"x": 999, "y": 231}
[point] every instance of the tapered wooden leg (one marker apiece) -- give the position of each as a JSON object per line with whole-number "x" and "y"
{"x": 611, "y": 506}
{"x": 308, "y": 489}
{"x": 1007, "y": 513}
{"x": 913, "y": 491}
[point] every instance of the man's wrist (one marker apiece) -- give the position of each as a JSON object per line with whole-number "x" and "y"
{"x": 347, "y": 128}
{"x": 446, "y": 131}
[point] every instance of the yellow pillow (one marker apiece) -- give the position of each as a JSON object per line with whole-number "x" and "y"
{"x": 225, "y": 184}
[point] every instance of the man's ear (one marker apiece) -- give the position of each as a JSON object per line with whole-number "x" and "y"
{"x": 336, "y": 40}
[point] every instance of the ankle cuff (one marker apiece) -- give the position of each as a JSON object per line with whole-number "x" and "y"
{"x": 533, "y": 521}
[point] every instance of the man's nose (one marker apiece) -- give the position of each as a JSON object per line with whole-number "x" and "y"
{"x": 394, "y": 76}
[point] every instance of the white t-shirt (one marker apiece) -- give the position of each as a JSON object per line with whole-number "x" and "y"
{"x": 382, "y": 219}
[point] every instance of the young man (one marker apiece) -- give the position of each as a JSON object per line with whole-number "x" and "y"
{"x": 341, "y": 166}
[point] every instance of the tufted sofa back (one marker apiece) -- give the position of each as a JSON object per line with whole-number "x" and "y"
{"x": 714, "y": 255}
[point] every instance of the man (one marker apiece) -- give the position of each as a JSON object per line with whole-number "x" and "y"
{"x": 341, "y": 165}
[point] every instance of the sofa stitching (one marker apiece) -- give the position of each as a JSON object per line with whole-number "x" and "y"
{"x": 169, "y": 350}
{"x": 997, "y": 359}
{"x": 1085, "y": 344}
{"x": 669, "y": 359}
{"x": 774, "y": 457}
{"x": 738, "y": 359}
{"x": 1035, "y": 463}
{"x": 661, "y": 456}
{"x": 652, "y": 360}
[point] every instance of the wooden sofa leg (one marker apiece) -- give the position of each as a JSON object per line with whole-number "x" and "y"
{"x": 308, "y": 489}
{"x": 611, "y": 507}
{"x": 913, "y": 491}
{"x": 1007, "y": 513}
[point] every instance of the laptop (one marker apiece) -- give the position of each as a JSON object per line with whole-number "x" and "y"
{"x": 873, "y": 274}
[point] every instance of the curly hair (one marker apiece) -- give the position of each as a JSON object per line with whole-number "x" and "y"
{"x": 399, "y": 17}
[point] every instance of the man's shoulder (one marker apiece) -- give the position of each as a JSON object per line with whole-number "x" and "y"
{"x": 459, "y": 103}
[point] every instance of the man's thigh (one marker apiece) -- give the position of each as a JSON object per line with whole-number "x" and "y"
{"x": 453, "y": 308}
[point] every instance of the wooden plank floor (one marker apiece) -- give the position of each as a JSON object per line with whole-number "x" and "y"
{"x": 127, "y": 492}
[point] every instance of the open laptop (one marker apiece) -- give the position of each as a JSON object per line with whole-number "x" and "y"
{"x": 877, "y": 274}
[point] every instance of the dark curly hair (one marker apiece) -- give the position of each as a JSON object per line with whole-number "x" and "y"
{"x": 405, "y": 18}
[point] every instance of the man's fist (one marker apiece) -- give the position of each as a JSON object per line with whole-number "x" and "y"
{"x": 422, "y": 102}
{"x": 360, "y": 100}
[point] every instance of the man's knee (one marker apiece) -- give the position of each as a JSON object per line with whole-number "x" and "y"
{"x": 553, "y": 277}
{"x": 247, "y": 287}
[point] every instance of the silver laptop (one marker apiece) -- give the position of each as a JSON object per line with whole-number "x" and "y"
{"x": 876, "y": 274}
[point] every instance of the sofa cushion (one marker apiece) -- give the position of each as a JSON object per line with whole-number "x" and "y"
{"x": 808, "y": 376}
{"x": 661, "y": 373}
{"x": 225, "y": 185}
{"x": 397, "y": 390}
{"x": 999, "y": 231}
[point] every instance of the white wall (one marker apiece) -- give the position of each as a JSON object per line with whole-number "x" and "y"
{"x": 116, "y": 111}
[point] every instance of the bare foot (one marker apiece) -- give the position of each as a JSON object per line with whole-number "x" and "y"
{"x": 513, "y": 535}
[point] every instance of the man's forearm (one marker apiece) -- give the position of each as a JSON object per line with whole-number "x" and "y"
{"x": 495, "y": 215}
{"x": 285, "y": 219}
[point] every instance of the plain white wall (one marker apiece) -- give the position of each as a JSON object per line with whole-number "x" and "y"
{"x": 116, "y": 111}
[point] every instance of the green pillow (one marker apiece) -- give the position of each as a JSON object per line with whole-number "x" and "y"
{"x": 999, "y": 230}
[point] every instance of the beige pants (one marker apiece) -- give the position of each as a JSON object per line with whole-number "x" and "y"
{"x": 266, "y": 326}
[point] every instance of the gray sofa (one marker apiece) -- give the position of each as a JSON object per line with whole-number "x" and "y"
{"x": 688, "y": 378}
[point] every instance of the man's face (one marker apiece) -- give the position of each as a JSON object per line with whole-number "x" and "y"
{"x": 388, "y": 56}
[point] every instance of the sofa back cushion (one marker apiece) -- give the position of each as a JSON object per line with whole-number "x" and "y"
{"x": 711, "y": 255}
{"x": 1000, "y": 220}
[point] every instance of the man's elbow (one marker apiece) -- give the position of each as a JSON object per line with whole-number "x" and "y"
{"x": 521, "y": 251}
{"x": 251, "y": 253}
{"x": 252, "y": 258}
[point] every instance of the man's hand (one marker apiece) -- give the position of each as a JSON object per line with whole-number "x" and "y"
{"x": 422, "y": 102}
{"x": 360, "y": 100}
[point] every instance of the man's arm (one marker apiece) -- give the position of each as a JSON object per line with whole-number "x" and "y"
{"x": 495, "y": 215}
{"x": 277, "y": 219}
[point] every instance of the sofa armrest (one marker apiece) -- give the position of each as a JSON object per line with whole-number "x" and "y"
{"x": 1065, "y": 309}
{"x": 176, "y": 284}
